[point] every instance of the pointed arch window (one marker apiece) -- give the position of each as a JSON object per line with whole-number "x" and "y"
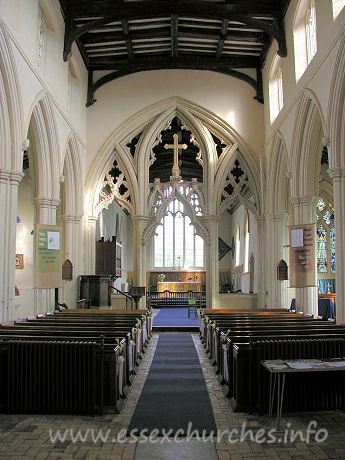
{"x": 337, "y": 6}
{"x": 41, "y": 38}
{"x": 276, "y": 88}
{"x": 304, "y": 34}
{"x": 325, "y": 235}
{"x": 310, "y": 28}
{"x": 176, "y": 243}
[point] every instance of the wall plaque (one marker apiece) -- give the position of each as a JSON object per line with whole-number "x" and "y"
{"x": 20, "y": 261}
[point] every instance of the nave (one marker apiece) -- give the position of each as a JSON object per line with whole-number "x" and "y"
{"x": 28, "y": 436}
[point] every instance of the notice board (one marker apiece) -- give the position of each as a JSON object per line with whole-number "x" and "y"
{"x": 48, "y": 252}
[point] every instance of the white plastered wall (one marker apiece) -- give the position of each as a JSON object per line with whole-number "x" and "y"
{"x": 229, "y": 98}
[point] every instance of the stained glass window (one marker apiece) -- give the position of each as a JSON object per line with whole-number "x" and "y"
{"x": 176, "y": 243}
{"x": 325, "y": 236}
{"x": 321, "y": 205}
{"x": 321, "y": 249}
{"x": 327, "y": 217}
{"x": 332, "y": 248}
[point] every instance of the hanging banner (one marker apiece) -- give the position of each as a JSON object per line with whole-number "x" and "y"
{"x": 302, "y": 255}
{"x": 48, "y": 256}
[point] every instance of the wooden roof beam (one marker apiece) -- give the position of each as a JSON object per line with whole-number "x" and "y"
{"x": 101, "y": 8}
{"x": 174, "y": 36}
{"x": 222, "y": 37}
{"x": 128, "y": 40}
{"x": 143, "y": 10}
{"x": 167, "y": 63}
{"x": 103, "y": 37}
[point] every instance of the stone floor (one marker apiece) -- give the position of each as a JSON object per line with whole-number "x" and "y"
{"x": 24, "y": 436}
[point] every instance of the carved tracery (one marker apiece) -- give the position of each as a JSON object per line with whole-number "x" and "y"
{"x": 115, "y": 187}
{"x": 190, "y": 194}
{"x": 237, "y": 189}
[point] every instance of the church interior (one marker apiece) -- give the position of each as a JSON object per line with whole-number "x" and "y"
{"x": 172, "y": 180}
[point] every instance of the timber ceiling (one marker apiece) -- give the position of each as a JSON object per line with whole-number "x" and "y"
{"x": 121, "y": 37}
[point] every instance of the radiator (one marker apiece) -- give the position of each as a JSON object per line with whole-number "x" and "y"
{"x": 51, "y": 376}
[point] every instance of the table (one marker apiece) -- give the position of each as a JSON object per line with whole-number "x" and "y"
{"x": 329, "y": 295}
{"x": 326, "y": 308}
{"x": 278, "y": 368}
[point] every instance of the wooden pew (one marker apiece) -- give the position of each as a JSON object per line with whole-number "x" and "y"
{"x": 210, "y": 324}
{"x": 140, "y": 325}
{"x": 116, "y": 330}
{"x": 243, "y": 370}
{"x": 246, "y": 328}
{"x": 250, "y": 381}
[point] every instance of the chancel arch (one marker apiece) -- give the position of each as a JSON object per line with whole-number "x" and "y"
{"x": 178, "y": 151}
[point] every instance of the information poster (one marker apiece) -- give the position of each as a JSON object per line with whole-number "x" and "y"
{"x": 48, "y": 256}
{"x": 302, "y": 255}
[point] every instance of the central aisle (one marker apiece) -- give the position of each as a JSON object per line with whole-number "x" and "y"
{"x": 175, "y": 392}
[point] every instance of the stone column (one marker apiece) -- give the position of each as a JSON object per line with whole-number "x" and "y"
{"x": 277, "y": 240}
{"x": 304, "y": 213}
{"x": 9, "y": 182}
{"x": 261, "y": 263}
{"x": 139, "y": 253}
{"x": 338, "y": 177}
{"x": 90, "y": 245}
{"x": 45, "y": 214}
{"x": 68, "y": 293}
{"x": 211, "y": 262}
{"x": 78, "y": 248}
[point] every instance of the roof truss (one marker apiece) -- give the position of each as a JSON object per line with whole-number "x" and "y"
{"x": 123, "y": 36}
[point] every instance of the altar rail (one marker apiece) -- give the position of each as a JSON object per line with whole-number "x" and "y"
{"x": 175, "y": 299}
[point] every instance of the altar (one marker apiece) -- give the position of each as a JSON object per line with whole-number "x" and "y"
{"x": 179, "y": 286}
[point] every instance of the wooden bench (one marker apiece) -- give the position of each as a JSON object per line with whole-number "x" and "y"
{"x": 250, "y": 382}
{"x": 117, "y": 333}
{"x": 229, "y": 338}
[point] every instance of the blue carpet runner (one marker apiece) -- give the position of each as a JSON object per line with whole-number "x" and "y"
{"x": 175, "y": 391}
{"x": 175, "y": 317}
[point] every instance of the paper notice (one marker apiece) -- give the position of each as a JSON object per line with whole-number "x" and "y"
{"x": 297, "y": 238}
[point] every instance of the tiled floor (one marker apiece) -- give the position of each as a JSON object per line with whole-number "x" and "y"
{"x": 28, "y": 436}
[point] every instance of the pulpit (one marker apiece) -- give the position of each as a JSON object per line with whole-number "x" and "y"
{"x": 95, "y": 288}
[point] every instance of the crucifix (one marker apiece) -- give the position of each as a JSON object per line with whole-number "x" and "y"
{"x": 176, "y": 146}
